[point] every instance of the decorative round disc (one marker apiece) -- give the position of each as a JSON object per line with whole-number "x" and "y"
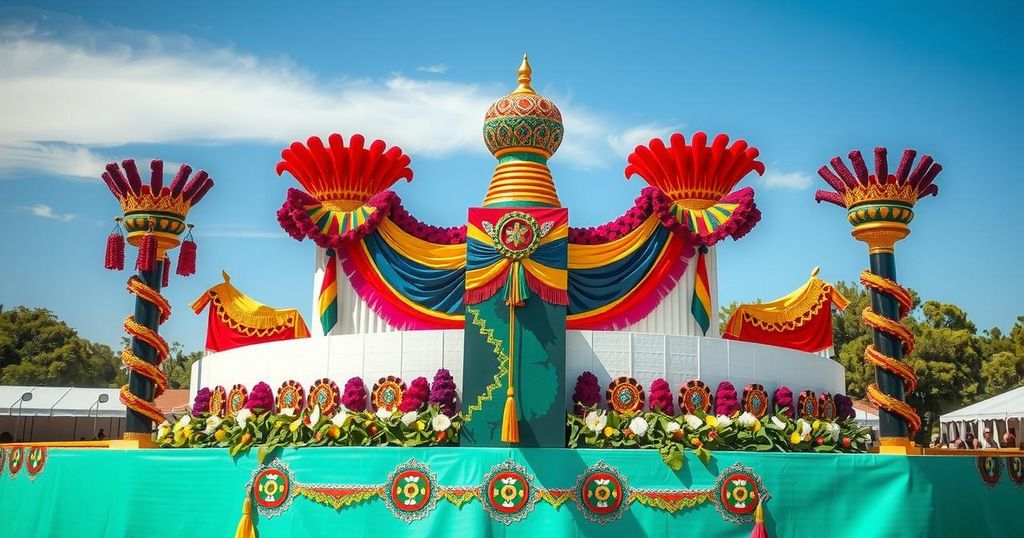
{"x": 1015, "y": 468}
{"x": 827, "y": 407}
{"x": 15, "y": 459}
{"x": 625, "y": 395}
{"x": 36, "y": 460}
{"x": 807, "y": 405}
{"x": 236, "y": 399}
{"x": 508, "y": 492}
{"x": 601, "y": 493}
{"x": 755, "y": 400}
{"x": 272, "y": 489}
{"x": 324, "y": 393}
{"x": 694, "y": 396}
{"x": 737, "y": 493}
{"x": 387, "y": 393}
{"x": 291, "y": 396}
{"x": 218, "y": 401}
{"x": 516, "y": 235}
{"x": 411, "y": 491}
{"x": 989, "y": 469}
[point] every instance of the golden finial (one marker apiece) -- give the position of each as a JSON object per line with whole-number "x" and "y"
{"x": 525, "y": 73}
{"x": 814, "y": 272}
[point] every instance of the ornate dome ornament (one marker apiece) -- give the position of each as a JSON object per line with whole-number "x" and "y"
{"x": 522, "y": 130}
{"x": 699, "y": 179}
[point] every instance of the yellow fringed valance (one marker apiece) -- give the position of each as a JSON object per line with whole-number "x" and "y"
{"x": 247, "y": 316}
{"x": 789, "y": 312}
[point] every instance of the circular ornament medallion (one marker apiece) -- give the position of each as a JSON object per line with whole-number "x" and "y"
{"x": 517, "y": 235}
{"x": 291, "y": 396}
{"x": 625, "y": 395}
{"x": 755, "y": 400}
{"x": 236, "y": 399}
{"x": 325, "y": 394}
{"x": 807, "y": 404}
{"x": 694, "y": 396}
{"x": 990, "y": 470}
{"x": 1015, "y": 468}
{"x": 387, "y": 393}
{"x": 601, "y": 493}
{"x": 826, "y": 407}
{"x": 218, "y": 401}
{"x": 272, "y": 489}
{"x": 411, "y": 491}
{"x": 508, "y": 492}
{"x": 15, "y": 460}
{"x": 737, "y": 493}
{"x": 36, "y": 460}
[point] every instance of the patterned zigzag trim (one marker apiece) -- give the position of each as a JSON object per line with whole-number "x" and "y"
{"x": 488, "y": 395}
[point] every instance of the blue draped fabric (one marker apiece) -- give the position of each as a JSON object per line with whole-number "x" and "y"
{"x": 590, "y": 289}
{"x": 553, "y": 254}
{"x": 480, "y": 254}
{"x": 436, "y": 289}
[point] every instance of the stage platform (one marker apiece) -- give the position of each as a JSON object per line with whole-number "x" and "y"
{"x": 531, "y": 492}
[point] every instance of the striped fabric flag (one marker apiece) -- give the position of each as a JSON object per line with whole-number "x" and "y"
{"x": 700, "y": 305}
{"x": 327, "y": 304}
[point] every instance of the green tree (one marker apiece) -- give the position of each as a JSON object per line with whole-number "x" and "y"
{"x": 1001, "y": 372}
{"x": 178, "y": 366}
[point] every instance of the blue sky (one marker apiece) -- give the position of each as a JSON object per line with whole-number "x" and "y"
{"x": 224, "y": 87}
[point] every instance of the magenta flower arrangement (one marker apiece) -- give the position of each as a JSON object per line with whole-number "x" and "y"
{"x": 353, "y": 397}
{"x": 726, "y": 402}
{"x": 783, "y": 399}
{"x": 587, "y": 393}
{"x": 661, "y": 397}
{"x": 442, "y": 393}
{"x": 651, "y": 201}
{"x": 416, "y": 396}
{"x": 261, "y": 399}
{"x": 844, "y": 407}
{"x": 201, "y": 404}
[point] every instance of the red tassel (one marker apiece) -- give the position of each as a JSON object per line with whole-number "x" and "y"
{"x": 147, "y": 254}
{"x": 167, "y": 272}
{"x": 187, "y": 257}
{"x": 114, "y": 258}
{"x": 759, "y": 529}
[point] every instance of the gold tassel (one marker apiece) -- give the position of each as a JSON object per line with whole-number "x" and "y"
{"x": 245, "y": 527}
{"x": 510, "y": 420}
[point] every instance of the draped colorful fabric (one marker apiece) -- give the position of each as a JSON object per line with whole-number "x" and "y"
{"x": 801, "y": 320}
{"x": 237, "y": 320}
{"x": 700, "y": 304}
{"x": 327, "y": 301}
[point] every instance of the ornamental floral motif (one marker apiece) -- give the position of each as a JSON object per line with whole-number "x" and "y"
{"x": 989, "y": 469}
{"x": 324, "y": 393}
{"x": 755, "y": 400}
{"x": 625, "y": 395}
{"x": 695, "y": 396}
{"x": 1015, "y": 469}
{"x": 15, "y": 459}
{"x": 236, "y": 399}
{"x": 36, "y": 461}
{"x": 291, "y": 396}
{"x": 826, "y": 407}
{"x": 272, "y": 489}
{"x": 601, "y": 493}
{"x": 411, "y": 491}
{"x": 737, "y": 493}
{"x": 807, "y": 405}
{"x": 387, "y": 393}
{"x": 517, "y": 234}
{"x": 508, "y": 492}
{"x": 218, "y": 401}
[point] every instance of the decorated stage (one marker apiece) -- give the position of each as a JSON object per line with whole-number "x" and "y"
{"x": 560, "y": 492}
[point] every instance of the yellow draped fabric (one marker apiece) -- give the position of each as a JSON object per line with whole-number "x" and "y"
{"x": 429, "y": 254}
{"x": 590, "y": 256}
{"x": 789, "y": 312}
{"x": 247, "y": 316}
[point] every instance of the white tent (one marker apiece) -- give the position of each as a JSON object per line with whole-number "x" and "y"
{"x": 999, "y": 413}
{"x": 59, "y": 413}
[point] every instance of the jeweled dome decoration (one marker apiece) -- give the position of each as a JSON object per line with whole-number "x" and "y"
{"x": 523, "y": 119}
{"x": 699, "y": 179}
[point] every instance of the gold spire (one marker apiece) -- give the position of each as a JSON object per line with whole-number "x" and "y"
{"x": 525, "y": 77}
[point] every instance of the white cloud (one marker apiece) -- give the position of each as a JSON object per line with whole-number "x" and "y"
{"x": 625, "y": 142}
{"x": 46, "y": 212}
{"x": 437, "y": 69}
{"x": 70, "y": 92}
{"x": 797, "y": 181}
